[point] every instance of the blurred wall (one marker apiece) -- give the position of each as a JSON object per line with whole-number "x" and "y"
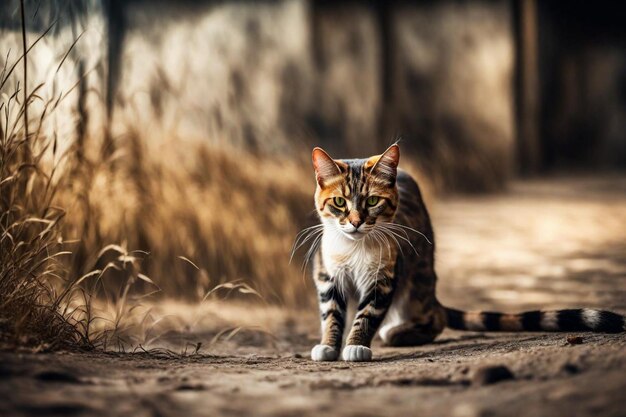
{"x": 583, "y": 84}
{"x": 452, "y": 98}
{"x": 237, "y": 73}
{"x": 351, "y": 76}
{"x": 276, "y": 77}
{"x": 280, "y": 76}
{"x": 67, "y": 66}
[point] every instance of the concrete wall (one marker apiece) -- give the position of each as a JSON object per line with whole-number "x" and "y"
{"x": 277, "y": 77}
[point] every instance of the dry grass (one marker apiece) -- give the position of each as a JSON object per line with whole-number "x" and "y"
{"x": 218, "y": 217}
{"x": 225, "y": 219}
{"x": 43, "y": 304}
{"x": 30, "y": 243}
{"x": 201, "y": 216}
{"x": 221, "y": 216}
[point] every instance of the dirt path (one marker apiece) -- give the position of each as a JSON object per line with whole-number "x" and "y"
{"x": 552, "y": 244}
{"x": 550, "y": 377}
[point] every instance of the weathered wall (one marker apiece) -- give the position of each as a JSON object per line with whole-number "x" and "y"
{"x": 452, "y": 96}
{"x": 274, "y": 77}
{"x": 69, "y": 77}
{"x": 583, "y": 73}
{"x": 237, "y": 72}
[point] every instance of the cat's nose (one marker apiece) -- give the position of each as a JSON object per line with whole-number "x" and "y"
{"x": 356, "y": 223}
{"x": 355, "y": 219}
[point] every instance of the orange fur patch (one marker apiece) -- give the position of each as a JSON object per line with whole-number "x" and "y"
{"x": 474, "y": 320}
{"x": 354, "y": 216}
{"x": 510, "y": 322}
{"x": 372, "y": 161}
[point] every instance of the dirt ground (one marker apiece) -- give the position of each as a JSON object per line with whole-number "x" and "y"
{"x": 556, "y": 243}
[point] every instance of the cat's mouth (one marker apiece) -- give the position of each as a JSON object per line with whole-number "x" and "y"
{"x": 354, "y": 234}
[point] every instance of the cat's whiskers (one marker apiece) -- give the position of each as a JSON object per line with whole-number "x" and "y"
{"x": 382, "y": 239}
{"x": 313, "y": 248}
{"x": 392, "y": 227}
{"x": 405, "y": 227}
{"x": 303, "y": 236}
{"x": 397, "y": 235}
{"x": 380, "y": 260}
{"x": 388, "y": 235}
{"x": 384, "y": 236}
{"x": 306, "y": 230}
{"x": 301, "y": 240}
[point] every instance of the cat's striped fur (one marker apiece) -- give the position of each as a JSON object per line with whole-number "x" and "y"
{"x": 377, "y": 245}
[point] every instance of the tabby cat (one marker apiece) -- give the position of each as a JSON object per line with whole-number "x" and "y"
{"x": 376, "y": 243}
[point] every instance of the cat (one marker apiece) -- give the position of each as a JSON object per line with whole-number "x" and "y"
{"x": 376, "y": 243}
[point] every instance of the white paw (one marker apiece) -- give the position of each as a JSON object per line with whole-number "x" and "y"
{"x": 324, "y": 353}
{"x": 357, "y": 353}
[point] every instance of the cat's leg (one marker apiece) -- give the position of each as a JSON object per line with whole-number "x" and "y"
{"x": 416, "y": 318}
{"x": 371, "y": 311}
{"x": 410, "y": 333}
{"x": 333, "y": 312}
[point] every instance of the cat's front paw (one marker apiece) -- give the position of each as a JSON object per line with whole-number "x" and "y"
{"x": 357, "y": 353}
{"x": 324, "y": 353}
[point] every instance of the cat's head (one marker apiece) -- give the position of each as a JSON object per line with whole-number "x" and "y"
{"x": 356, "y": 194}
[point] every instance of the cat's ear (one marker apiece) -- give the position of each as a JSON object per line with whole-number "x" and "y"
{"x": 386, "y": 165}
{"x": 325, "y": 167}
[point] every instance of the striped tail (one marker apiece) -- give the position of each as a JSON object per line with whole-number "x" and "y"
{"x": 574, "y": 320}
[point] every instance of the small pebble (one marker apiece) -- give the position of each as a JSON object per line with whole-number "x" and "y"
{"x": 574, "y": 340}
{"x": 57, "y": 376}
{"x": 190, "y": 387}
{"x": 492, "y": 375}
{"x": 570, "y": 368}
{"x": 297, "y": 356}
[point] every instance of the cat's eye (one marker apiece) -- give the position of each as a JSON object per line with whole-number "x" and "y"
{"x": 339, "y": 201}
{"x": 372, "y": 200}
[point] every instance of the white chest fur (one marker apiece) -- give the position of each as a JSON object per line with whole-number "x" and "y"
{"x": 355, "y": 264}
